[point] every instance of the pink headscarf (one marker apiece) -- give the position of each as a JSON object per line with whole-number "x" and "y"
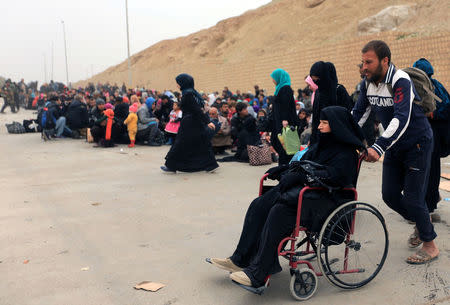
{"x": 313, "y": 86}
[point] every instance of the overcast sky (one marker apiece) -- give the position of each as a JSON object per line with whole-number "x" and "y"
{"x": 96, "y": 32}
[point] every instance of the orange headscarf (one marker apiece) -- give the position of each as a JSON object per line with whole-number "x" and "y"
{"x": 110, "y": 115}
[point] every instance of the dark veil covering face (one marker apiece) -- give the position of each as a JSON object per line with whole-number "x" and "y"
{"x": 327, "y": 80}
{"x": 186, "y": 83}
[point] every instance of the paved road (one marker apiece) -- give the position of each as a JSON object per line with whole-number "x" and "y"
{"x": 158, "y": 227}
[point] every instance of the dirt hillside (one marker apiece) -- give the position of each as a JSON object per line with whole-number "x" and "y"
{"x": 242, "y": 51}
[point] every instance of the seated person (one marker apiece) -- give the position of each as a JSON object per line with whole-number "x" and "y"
{"x": 244, "y": 131}
{"x": 121, "y": 111}
{"x": 77, "y": 115}
{"x": 272, "y": 216}
{"x": 96, "y": 112}
{"x": 162, "y": 111}
{"x": 57, "y": 119}
{"x": 222, "y": 139}
{"x": 147, "y": 124}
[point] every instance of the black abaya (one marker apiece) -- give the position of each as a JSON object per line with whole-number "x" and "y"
{"x": 192, "y": 150}
{"x": 283, "y": 110}
{"x": 271, "y": 217}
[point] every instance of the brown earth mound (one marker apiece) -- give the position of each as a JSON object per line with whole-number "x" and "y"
{"x": 290, "y": 34}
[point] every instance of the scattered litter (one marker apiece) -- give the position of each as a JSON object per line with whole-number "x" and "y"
{"x": 96, "y": 203}
{"x": 446, "y": 199}
{"x": 123, "y": 152}
{"x": 149, "y": 286}
{"x": 445, "y": 175}
{"x": 85, "y": 269}
{"x": 26, "y": 261}
{"x": 445, "y": 186}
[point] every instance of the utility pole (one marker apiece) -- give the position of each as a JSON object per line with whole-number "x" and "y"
{"x": 45, "y": 68}
{"x": 128, "y": 47}
{"x": 52, "y": 62}
{"x": 65, "y": 52}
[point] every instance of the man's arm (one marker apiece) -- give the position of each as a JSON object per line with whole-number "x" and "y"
{"x": 362, "y": 108}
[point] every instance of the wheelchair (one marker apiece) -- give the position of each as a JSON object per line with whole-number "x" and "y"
{"x": 351, "y": 246}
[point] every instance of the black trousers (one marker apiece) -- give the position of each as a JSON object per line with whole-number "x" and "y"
{"x": 13, "y": 109}
{"x": 405, "y": 180}
{"x": 432, "y": 195}
{"x": 266, "y": 223}
{"x": 283, "y": 157}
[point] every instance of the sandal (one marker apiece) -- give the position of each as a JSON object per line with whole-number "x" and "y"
{"x": 420, "y": 257}
{"x": 414, "y": 239}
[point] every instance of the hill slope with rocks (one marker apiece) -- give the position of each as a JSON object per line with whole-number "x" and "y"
{"x": 241, "y": 51}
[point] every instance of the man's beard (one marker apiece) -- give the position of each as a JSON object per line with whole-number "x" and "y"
{"x": 377, "y": 75}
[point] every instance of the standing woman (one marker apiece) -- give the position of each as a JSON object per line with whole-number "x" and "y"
{"x": 192, "y": 150}
{"x": 283, "y": 112}
{"x": 329, "y": 93}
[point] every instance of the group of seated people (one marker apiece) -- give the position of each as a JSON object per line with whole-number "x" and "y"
{"x": 152, "y": 118}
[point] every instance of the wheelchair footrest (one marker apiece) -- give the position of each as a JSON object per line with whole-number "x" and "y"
{"x": 258, "y": 291}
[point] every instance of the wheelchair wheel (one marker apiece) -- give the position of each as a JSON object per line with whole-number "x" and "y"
{"x": 303, "y": 284}
{"x": 355, "y": 243}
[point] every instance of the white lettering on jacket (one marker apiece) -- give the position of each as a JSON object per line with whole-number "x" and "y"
{"x": 381, "y": 101}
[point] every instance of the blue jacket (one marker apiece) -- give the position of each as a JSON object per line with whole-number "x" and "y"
{"x": 403, "y": 121}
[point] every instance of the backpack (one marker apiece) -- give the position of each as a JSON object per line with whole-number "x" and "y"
{"x": 15, "y": 127}
{"x": 424, "y": 87}
{"x": 44, "y": 118}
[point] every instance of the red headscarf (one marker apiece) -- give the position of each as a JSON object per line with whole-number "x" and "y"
{"x": 110, "y": 115}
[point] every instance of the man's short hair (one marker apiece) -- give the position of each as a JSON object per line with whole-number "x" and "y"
{"x": 380, "y": 48}
{"x": 165, "y": 97}
{"x": 241, "y": 106}
{"x": 223, "y": 104}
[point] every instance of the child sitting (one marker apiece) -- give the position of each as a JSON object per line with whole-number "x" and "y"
{"x": 174, "y": 123}
{"x": 131, "y": 123}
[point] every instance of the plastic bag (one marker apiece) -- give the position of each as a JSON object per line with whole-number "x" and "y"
{"x": 290, "y": 140}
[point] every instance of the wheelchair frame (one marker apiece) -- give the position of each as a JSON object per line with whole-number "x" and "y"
{"x": 293, "y": 255}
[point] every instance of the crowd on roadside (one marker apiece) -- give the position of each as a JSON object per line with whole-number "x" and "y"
{"x": 83, "y": 113}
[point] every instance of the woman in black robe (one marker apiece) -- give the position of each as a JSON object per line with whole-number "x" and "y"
{"x": 283, "y": 110}
{"x": 192, "y": 150}
{"x": 330, "y": 93}
{"x": 272, "y": 216}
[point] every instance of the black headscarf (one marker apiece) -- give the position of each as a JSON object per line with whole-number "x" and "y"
{"x": 345, "y": 132}
{"x": 343, "y": 127}
{"x": 186, "y": 83}
{"x": 327, "y": 81}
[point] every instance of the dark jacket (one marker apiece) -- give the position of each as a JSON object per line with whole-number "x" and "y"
{"x": 77, "y": 115}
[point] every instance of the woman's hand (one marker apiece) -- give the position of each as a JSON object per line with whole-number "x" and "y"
{"x": 275, "y": 172}
{"x": 290, "y": 180}
{"x": 212, "y": 126}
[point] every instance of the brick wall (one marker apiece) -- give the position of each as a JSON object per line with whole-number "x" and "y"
{"x": 243, "y": 73}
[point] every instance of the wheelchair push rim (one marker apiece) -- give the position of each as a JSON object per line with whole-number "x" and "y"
{"x": 355, "y": 242}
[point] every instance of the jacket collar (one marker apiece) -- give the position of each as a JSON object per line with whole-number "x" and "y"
{"x": 389, "y": 74}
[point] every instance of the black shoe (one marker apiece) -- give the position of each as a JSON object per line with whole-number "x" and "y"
{"x": 212, "y": 169}
{"x": 167, "y": 170}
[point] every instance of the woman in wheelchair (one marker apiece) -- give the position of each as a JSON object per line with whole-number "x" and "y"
{"x": 272, "y": 216}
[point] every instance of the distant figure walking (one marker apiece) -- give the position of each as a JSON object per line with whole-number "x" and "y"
{"x": 191, "y": 150}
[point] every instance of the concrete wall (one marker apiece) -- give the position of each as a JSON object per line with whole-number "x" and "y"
{"x": 242, "y": 73}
